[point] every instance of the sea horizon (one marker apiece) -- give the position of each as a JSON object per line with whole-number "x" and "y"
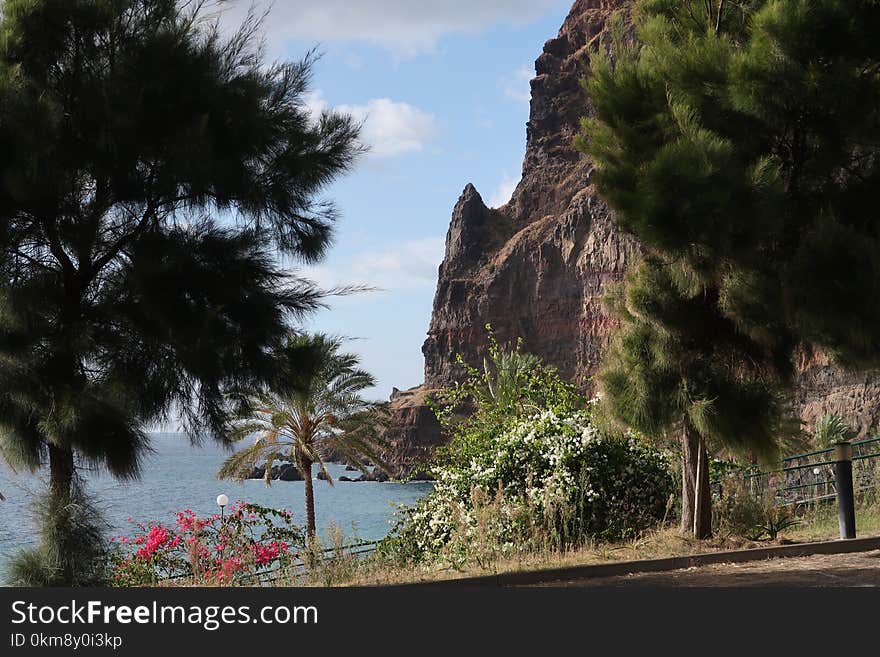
{"x": 177, "y": 476}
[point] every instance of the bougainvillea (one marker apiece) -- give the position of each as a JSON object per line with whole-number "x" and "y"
{"x": 214, "y": 550}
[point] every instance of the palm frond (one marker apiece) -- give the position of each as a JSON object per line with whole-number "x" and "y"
{"x": 239, "y": 465}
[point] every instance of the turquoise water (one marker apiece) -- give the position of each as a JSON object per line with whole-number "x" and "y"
{"x": 177, "y": 476}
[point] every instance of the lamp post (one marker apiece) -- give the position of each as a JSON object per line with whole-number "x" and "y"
{"x": 222, "y": 501}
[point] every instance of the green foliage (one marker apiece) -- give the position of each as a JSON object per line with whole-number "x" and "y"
{"x": 830, "y": 430}
{"x": 72, "y": 548}
{"x": 742, "y": 512}
{"x": 776, "y": 520}
{"x": 322, "y": 412}
{"x": 732, "y": 141}
{"x": 546, "y": 481}
{"x": 527, "y": 469}
{"x": 126, "y": 128}
{"x": 309, "y": 413}
{"x": 510, "y": 384}
{"x": 121, "y": 296}
{"x": 676, "y": 359}
{"x": 217, "y": 550}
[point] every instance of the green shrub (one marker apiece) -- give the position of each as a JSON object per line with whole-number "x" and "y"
{"x": 736, "y": 510}
{"x": 72, "y": 548}
{"x": 549, "y": 480}
{"x": 830, "y": 430}
{"x": 739, "y": 511}
{"x": 509, "y": 385}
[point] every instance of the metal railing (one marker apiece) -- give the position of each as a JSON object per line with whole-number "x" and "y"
{"x": 297, "y": 570}
{"x": 807, "y": 478}
{"x": 303, "y": 565}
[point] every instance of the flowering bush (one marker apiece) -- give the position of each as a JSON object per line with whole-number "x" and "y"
{"x": 549, "y": 477}
{"x": 214, "y": 550}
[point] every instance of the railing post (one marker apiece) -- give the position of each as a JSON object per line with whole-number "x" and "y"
{"x": 843, "y": 474}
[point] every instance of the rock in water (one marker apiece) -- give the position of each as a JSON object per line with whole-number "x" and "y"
{"x": 258, "y": 472}
{"x": 287, "y": 472}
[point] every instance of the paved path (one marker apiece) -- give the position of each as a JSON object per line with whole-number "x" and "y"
{"x": 855, "y": 569}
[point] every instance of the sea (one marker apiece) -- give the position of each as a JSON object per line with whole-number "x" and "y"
{"x": 177, "y": 476}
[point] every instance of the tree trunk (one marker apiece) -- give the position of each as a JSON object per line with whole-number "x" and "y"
{"x": 306, "y": 471}
{"x": 61, "y": 470}
{"x": 696, "y": 503}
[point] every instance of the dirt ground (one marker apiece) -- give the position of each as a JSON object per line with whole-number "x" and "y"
{"x": 855, "y": 569}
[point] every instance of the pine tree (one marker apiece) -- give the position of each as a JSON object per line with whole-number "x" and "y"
{"x": 737, "y": 140}
{"x": 152, "y": 168}
{"x": 676, "y": 363}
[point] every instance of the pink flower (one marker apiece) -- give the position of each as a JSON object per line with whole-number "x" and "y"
{"x": 229, "y": 567}
{"x": 264, "y": 554}
{"x": 157, "y": 537}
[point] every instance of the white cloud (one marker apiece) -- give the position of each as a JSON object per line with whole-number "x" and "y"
{"x": 406, "y": 27}
{"x": 315, "y": 103}
{"x": 504, "y": 191}
{"x": 390, "y": 128}
{"x": 408, "y": 265}
{"x": 411, "y": 264}
{"x": 354, "y": 61}
{"x": 516, "y": 85}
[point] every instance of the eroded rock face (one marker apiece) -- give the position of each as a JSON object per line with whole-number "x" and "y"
{"x": 416, "y": 432}
{"x": 537, "y": 267}
{"x": 823, "y": 388}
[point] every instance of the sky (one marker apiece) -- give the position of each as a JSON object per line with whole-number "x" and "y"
{"x": 442, "y": 88}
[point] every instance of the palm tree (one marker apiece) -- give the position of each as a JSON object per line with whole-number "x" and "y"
{"x": 830, "y": 430}
{"x": 318, "y": 410}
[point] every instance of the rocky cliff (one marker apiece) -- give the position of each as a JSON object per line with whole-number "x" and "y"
{"x": 536, "y": 268}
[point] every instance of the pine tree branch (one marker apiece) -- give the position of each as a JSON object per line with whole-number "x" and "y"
{"x": 57, "y": 249}
{"x": 121, "y": 243}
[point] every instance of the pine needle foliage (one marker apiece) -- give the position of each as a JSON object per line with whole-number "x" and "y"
{"x": 737, "y": 140}
{"x": 72, "y": 549}
{"x": 152, "y": 169}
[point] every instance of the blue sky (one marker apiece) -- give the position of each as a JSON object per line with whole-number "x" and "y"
{"x": 442, "y": 88}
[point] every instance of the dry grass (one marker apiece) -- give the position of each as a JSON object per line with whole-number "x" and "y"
{"x": 817, "y": 525}
{"x": 656, "y": 544}
{"x": 342, "y": 569}
{"x": 821, "y": 524}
